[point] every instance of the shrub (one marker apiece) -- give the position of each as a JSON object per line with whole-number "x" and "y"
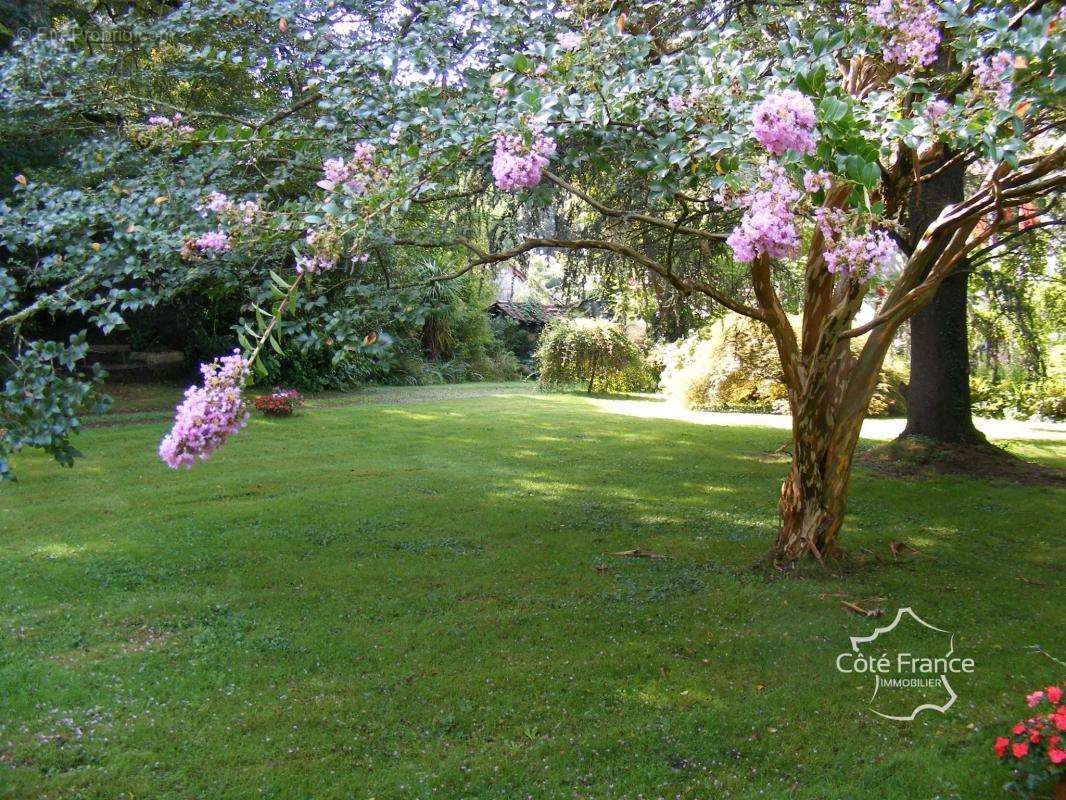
{"x": 593, "y": 352}
{"x": 1019, "y": 396}
{"x": 732, "y": 365}
{"x": 1035, "y": 750}
{"x": 280, "y": 403}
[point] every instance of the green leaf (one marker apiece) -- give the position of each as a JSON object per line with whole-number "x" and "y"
{"x": 871, "y": 175}
{"x": 832, "y": 109}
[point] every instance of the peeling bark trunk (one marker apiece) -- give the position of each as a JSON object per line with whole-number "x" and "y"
{"x": 814, "y": 494}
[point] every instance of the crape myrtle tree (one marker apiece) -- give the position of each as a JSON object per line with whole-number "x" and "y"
{"x": 745, "y": 175}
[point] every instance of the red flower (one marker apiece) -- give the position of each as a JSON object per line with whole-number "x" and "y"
{"x": 1054, "y": 693}
{"x": 1001, "y": 746}
{"x": 1059, "y": 718}
{"x": 1018, "y": 729}
{"x": 1057, "y": 756}
{"x": 1034, "y": 737}
{"x": 1019, "y": 749}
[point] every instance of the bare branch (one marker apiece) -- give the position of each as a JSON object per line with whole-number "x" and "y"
{"x": 618, "y": 213}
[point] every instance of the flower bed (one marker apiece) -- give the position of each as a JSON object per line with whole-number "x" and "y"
{"x": 1036, "y": 748}
{"x": 280, "y": 403}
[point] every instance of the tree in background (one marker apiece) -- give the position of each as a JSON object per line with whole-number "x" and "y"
{"x": 593, "y": 352}
{"x": 657, "y": 132}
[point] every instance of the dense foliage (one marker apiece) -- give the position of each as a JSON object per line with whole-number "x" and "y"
{"x": 732, "y": 365}
{"x": 593, "y": 352}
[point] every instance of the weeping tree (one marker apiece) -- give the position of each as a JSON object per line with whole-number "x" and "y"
{"x": 595, "y": 352}
{"x": 672, "y": 146}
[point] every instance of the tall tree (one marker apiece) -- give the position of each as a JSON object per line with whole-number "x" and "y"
{"x": 938, "y": 394}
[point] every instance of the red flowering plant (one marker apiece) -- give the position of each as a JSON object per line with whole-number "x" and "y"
{"x": 280, "y": 403}
{"x": 1036, "y": 748}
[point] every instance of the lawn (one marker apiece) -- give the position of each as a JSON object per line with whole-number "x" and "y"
{"x": 420, "y": 599}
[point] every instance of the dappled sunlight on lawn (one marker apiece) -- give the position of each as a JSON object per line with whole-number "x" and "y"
{"x": 343, "y": 570}
{"x": 878, "y": 429}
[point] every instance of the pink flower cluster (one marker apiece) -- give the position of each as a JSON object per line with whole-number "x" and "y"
{"x": 517, "y": 164}
{"x": 994, "y": 75}
{"x": 220, "y": 203}
{"x": 356, "y": 174}
{"x": 312, "y": 265}
{"x": 174, "y": 123}
{"x": 769, "y": 223}
{"x": 209, "y": 414}
{"x": 866, "y": 254}
{"x": 1039, "y": 737}
{"x": 935, "y": 109}
{"x": 679, "y": 103}
{"x": 914, "y": 33}
{"x": 571, "y": 40}
{"x": 216, "y": 241}
{"x": 323, "y": 256}
{"x": 321, "y": 259}
{"x": 813, "y": 181}
{"x": 785, "y": 121}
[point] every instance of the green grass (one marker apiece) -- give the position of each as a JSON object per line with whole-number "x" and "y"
{"x": 418, "y": 600}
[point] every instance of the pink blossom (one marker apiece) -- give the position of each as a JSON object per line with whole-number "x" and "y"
{"x": 213, "y": 240}
{"x": 169, "y": 122}
{"x": 865, "y": 254}
{"x": 541, "y": 70}
{"x": 935, "y": 109}
{"x": 914, "y": 32}
{"x": 500, "y": 92}
{"x": 248, "y": 209}
{"x": 570, "y": 40}
{"x": 769, "y": 223}
{"x": 813, "y": 181}
{"x": 1034, "y": 698}
{"x": 322, "y": 262}
{"x": 216, "y": 202}
{"x": 356, "y": 174}
{"x": 314, "y": 264}
{"x": 678, "y": 103}
{"x": 517, "y": 164}
{"x": 785, "y": 121}
{"x": 994, "y": 75}
{"x": 209, "y": 414}
{"x": 335, "y": 172}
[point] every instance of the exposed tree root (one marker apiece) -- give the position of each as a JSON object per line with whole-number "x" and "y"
{"x": 915, "y": 456}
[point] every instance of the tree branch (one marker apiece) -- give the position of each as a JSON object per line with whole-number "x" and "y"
{"x": 618, "y": 213}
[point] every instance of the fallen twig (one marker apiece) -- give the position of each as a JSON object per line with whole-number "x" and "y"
{"x": 638, "y": 553}
{"x": 862, "y": 612}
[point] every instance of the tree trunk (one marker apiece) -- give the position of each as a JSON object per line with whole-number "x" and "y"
{"x": 824, "y": 436}
{"x": 811, "y": 514}
{"x": 938, "y": 396}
